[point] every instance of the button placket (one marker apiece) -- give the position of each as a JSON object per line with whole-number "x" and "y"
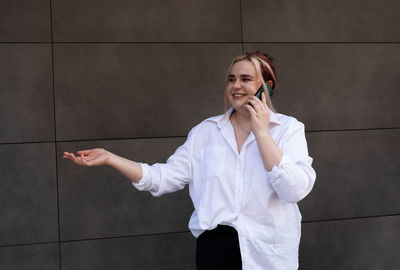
{"x": 240, "y": 165}
{"x": 239, "y": 183}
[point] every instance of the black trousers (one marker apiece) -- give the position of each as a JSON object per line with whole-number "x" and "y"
{"x": 218, "y": 249}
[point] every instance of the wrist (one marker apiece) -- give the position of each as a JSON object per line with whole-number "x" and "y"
{"x": 261, "y": 134}
{"x": 111, "y": 159}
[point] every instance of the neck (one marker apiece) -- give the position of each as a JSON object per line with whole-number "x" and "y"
{"x": 243, "y": 120}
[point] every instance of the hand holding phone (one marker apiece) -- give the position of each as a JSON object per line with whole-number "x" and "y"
{"x": 261, "y": 89}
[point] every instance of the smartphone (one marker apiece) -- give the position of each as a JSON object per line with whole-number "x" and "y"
{"x": 261, "y": 89}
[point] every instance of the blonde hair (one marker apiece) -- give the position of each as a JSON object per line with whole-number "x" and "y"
{"x": 257, "y": 62}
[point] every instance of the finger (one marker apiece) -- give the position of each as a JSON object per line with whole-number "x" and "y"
{"x": 256, "y": 104}
{"x": 77, "y": 160}
{"x": 251, "y": 110}
{"x": 67, "y": 155}
{"x": 84, "y": 161}
{"x": 263, "y": 98}
{"x": 84, "y": 152}
{"x": 262, "y": 103}
{"x": 72, "y": 156}
{"x": 256, "y": 99}
{"x": 265, "y": 102}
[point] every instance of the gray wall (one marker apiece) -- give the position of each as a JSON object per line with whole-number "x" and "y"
{"x": 135, "y": 76}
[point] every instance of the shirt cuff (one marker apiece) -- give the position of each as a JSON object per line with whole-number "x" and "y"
{"x": 144, "y": 183}
{"x": 280, "y": 171}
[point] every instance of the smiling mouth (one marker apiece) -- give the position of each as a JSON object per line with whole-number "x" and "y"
{"x": 239, "y": 95}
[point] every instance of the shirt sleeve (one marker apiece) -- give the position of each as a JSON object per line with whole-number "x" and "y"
{"x": 294, "y": 177}
{"x": 162, "y": 178}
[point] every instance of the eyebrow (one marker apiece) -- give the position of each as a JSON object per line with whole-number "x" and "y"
{"x": 242, "y": 75}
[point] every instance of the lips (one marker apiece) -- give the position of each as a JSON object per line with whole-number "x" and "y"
{"x": 238, "y": 95}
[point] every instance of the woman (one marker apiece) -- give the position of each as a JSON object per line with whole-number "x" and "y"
{"x": 246, "y": 170}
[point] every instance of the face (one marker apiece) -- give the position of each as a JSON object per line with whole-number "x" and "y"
{"x": 242, "y": 83}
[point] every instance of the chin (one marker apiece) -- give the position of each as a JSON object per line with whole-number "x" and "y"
{"x": 239, "y": 107}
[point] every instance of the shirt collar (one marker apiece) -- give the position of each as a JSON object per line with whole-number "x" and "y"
{"x": 223, "y": 119}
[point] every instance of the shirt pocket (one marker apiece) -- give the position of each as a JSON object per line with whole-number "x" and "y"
{"x": 213, "y": 158}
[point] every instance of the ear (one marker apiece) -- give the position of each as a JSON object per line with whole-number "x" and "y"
{"x": 270, "y": 82}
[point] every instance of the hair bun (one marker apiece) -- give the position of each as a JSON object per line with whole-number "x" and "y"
{"x": 263, "y": 56}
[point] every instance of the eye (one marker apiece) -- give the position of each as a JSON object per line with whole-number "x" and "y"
{"x": 230, "y": 79}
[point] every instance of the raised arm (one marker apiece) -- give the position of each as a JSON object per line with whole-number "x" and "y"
{"x": 98, "y": 157}
{"x": 288, "y": 169}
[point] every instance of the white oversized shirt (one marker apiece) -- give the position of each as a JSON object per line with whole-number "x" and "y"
{"x": 232, "y": 188}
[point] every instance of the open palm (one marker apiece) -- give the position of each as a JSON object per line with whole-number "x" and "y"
{"x": 90, "y": 157}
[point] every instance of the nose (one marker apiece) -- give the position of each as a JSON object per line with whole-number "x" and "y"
{"x": 236, "y": 85}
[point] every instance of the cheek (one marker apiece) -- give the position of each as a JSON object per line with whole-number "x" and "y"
{"x": 228, "y": 89}
{"x": 253, "y": 88}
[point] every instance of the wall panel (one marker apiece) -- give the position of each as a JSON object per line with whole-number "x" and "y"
{"x": 28, "y": 194}
{"x": 357, "y": 174}
{"x": 368, "y": 244}
{"x": 25, "y": 21}
{"x": 30, "y": 257}
{"x": 26, "y": 93}
{"x": 321, "y": 21}
{"x": 147, "y": 21}
{"x": 167, "y": 251}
